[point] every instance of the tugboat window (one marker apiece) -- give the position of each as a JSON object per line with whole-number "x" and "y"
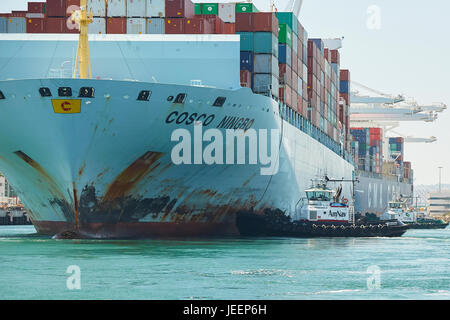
{"x": 144, "y": 95}
{"x": 86, "y": 92}
{"x": 169, "y": 98}
{"x": 65, "y": 92}
{"x": 45, "y": 92}
{"x": 220, "y": 101}
{"x": 180, "y": 98}
{"x": 1, "y": 96}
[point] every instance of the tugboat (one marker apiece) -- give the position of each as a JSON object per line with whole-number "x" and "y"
{"x": 398, "y": 210}
{"x": 323, "y": 213}
{"x": 17, "y": 215}
{"x": 425, "y": 223}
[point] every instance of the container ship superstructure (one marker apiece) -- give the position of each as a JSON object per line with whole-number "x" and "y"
{"x": 94, "y": 154}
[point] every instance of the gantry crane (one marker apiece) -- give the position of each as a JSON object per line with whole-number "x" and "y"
{"x": 387, "y": 111}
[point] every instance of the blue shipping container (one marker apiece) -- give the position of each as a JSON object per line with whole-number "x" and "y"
{"x": 247, "y": 60}
{"x": 266, "y": 63}
{"x": 265, "y": 42}
{"x": 344, "y": 87}
{"x": 2, "y": 25}
{"x": 246, "y": 41}
{"x": 285, "y": 54}
{"x": 16, "y": 25}
{"x": 155, "y": 26}
{"x": 319, "y": 44}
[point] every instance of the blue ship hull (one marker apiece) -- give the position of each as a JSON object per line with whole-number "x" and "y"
{"x": 107, "y": 171}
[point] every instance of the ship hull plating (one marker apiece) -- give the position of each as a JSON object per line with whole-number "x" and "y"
{"x": 107, "y": 171}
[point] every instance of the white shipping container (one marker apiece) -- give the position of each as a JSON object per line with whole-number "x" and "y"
{"x": 155, "y": 26}
{"x": 265, "y": 83}
{"x": 156, "y": 8}
{"x": 35, "y": 15}
{"x": 136, "y": 26}
{"x": 227, "y": 12}
{"x": 97, "y": 7}
{"x": 294, "y": 46}
{"x": 136, "y": 8}
{"x": 117, "y": 8}
{"x": 98, "y": 26}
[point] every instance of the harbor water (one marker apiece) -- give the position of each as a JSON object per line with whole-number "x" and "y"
{"x": 414, "y": 266}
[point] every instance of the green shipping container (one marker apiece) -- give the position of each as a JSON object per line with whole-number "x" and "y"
{"x": 265, "y": 42}
{"x": 285, "y": 34}
{"x": 245, "y": 7}
{"x": 246, "y": 41}
{"x": 210, "y": 8}
{"x": 198, "y": 8}
{"x": 288, "y": 18}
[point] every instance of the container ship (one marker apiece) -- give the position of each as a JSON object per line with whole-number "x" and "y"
{"x": 94, "y": 152}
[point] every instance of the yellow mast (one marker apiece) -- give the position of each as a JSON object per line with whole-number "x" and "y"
{"x": 83, "y": 59}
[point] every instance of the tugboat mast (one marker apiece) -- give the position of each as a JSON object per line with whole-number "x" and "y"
{"x": 83, "y": 59}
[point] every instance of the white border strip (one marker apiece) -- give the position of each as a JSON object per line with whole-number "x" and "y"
{"x": 122, "y": 37}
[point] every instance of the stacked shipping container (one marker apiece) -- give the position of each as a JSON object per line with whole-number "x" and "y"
{"x": 292, "y": 42}
{"x": 369, "y": 148}
{"x": 323, "y": 90}
{"x": 259, "y": 49}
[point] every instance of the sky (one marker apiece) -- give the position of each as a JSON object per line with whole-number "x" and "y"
{"x": 408, "y": 54}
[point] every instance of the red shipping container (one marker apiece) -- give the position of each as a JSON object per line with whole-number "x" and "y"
{"x": 174, "y": 25}
{"x": 199, "y": 25}
{"x": 288, "y": 95}
{"x": 300, "y": 105}
{"x": 294, "y": 81}
{"x": 294, "y": 62}
{"x": 300, "y": 68}
{"x": 36, "y": 25}
{"x": 264, "y": 21}
{"x": 179, "y": 9}
{"x": 282, "y": 73}
{"x": 18, "y": 14}
{"x": 72, "y": 5}
{"x": 335, "y": 57}
{"x": 246, "y": 79}
{"x": 56, "y": 25}
{"x": 300, "y": 31}
{"x": 61, "y": 25}
{"x": 244, "y": 22}
{"x": 229, "y": 28}
{"x": 311, "y": 48}
{"x": 346, "y": 97}
{"x": 218, "y": 26}
{"x": 36, "y": 7}
{"x": 116, "y": 25}
{"x": 344, "y": 75}
{"x": 294, "y": 99}
{"x": 56, "y": 8}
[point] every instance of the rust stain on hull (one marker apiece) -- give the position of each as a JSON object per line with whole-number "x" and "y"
{"x": 128, "y": 179}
